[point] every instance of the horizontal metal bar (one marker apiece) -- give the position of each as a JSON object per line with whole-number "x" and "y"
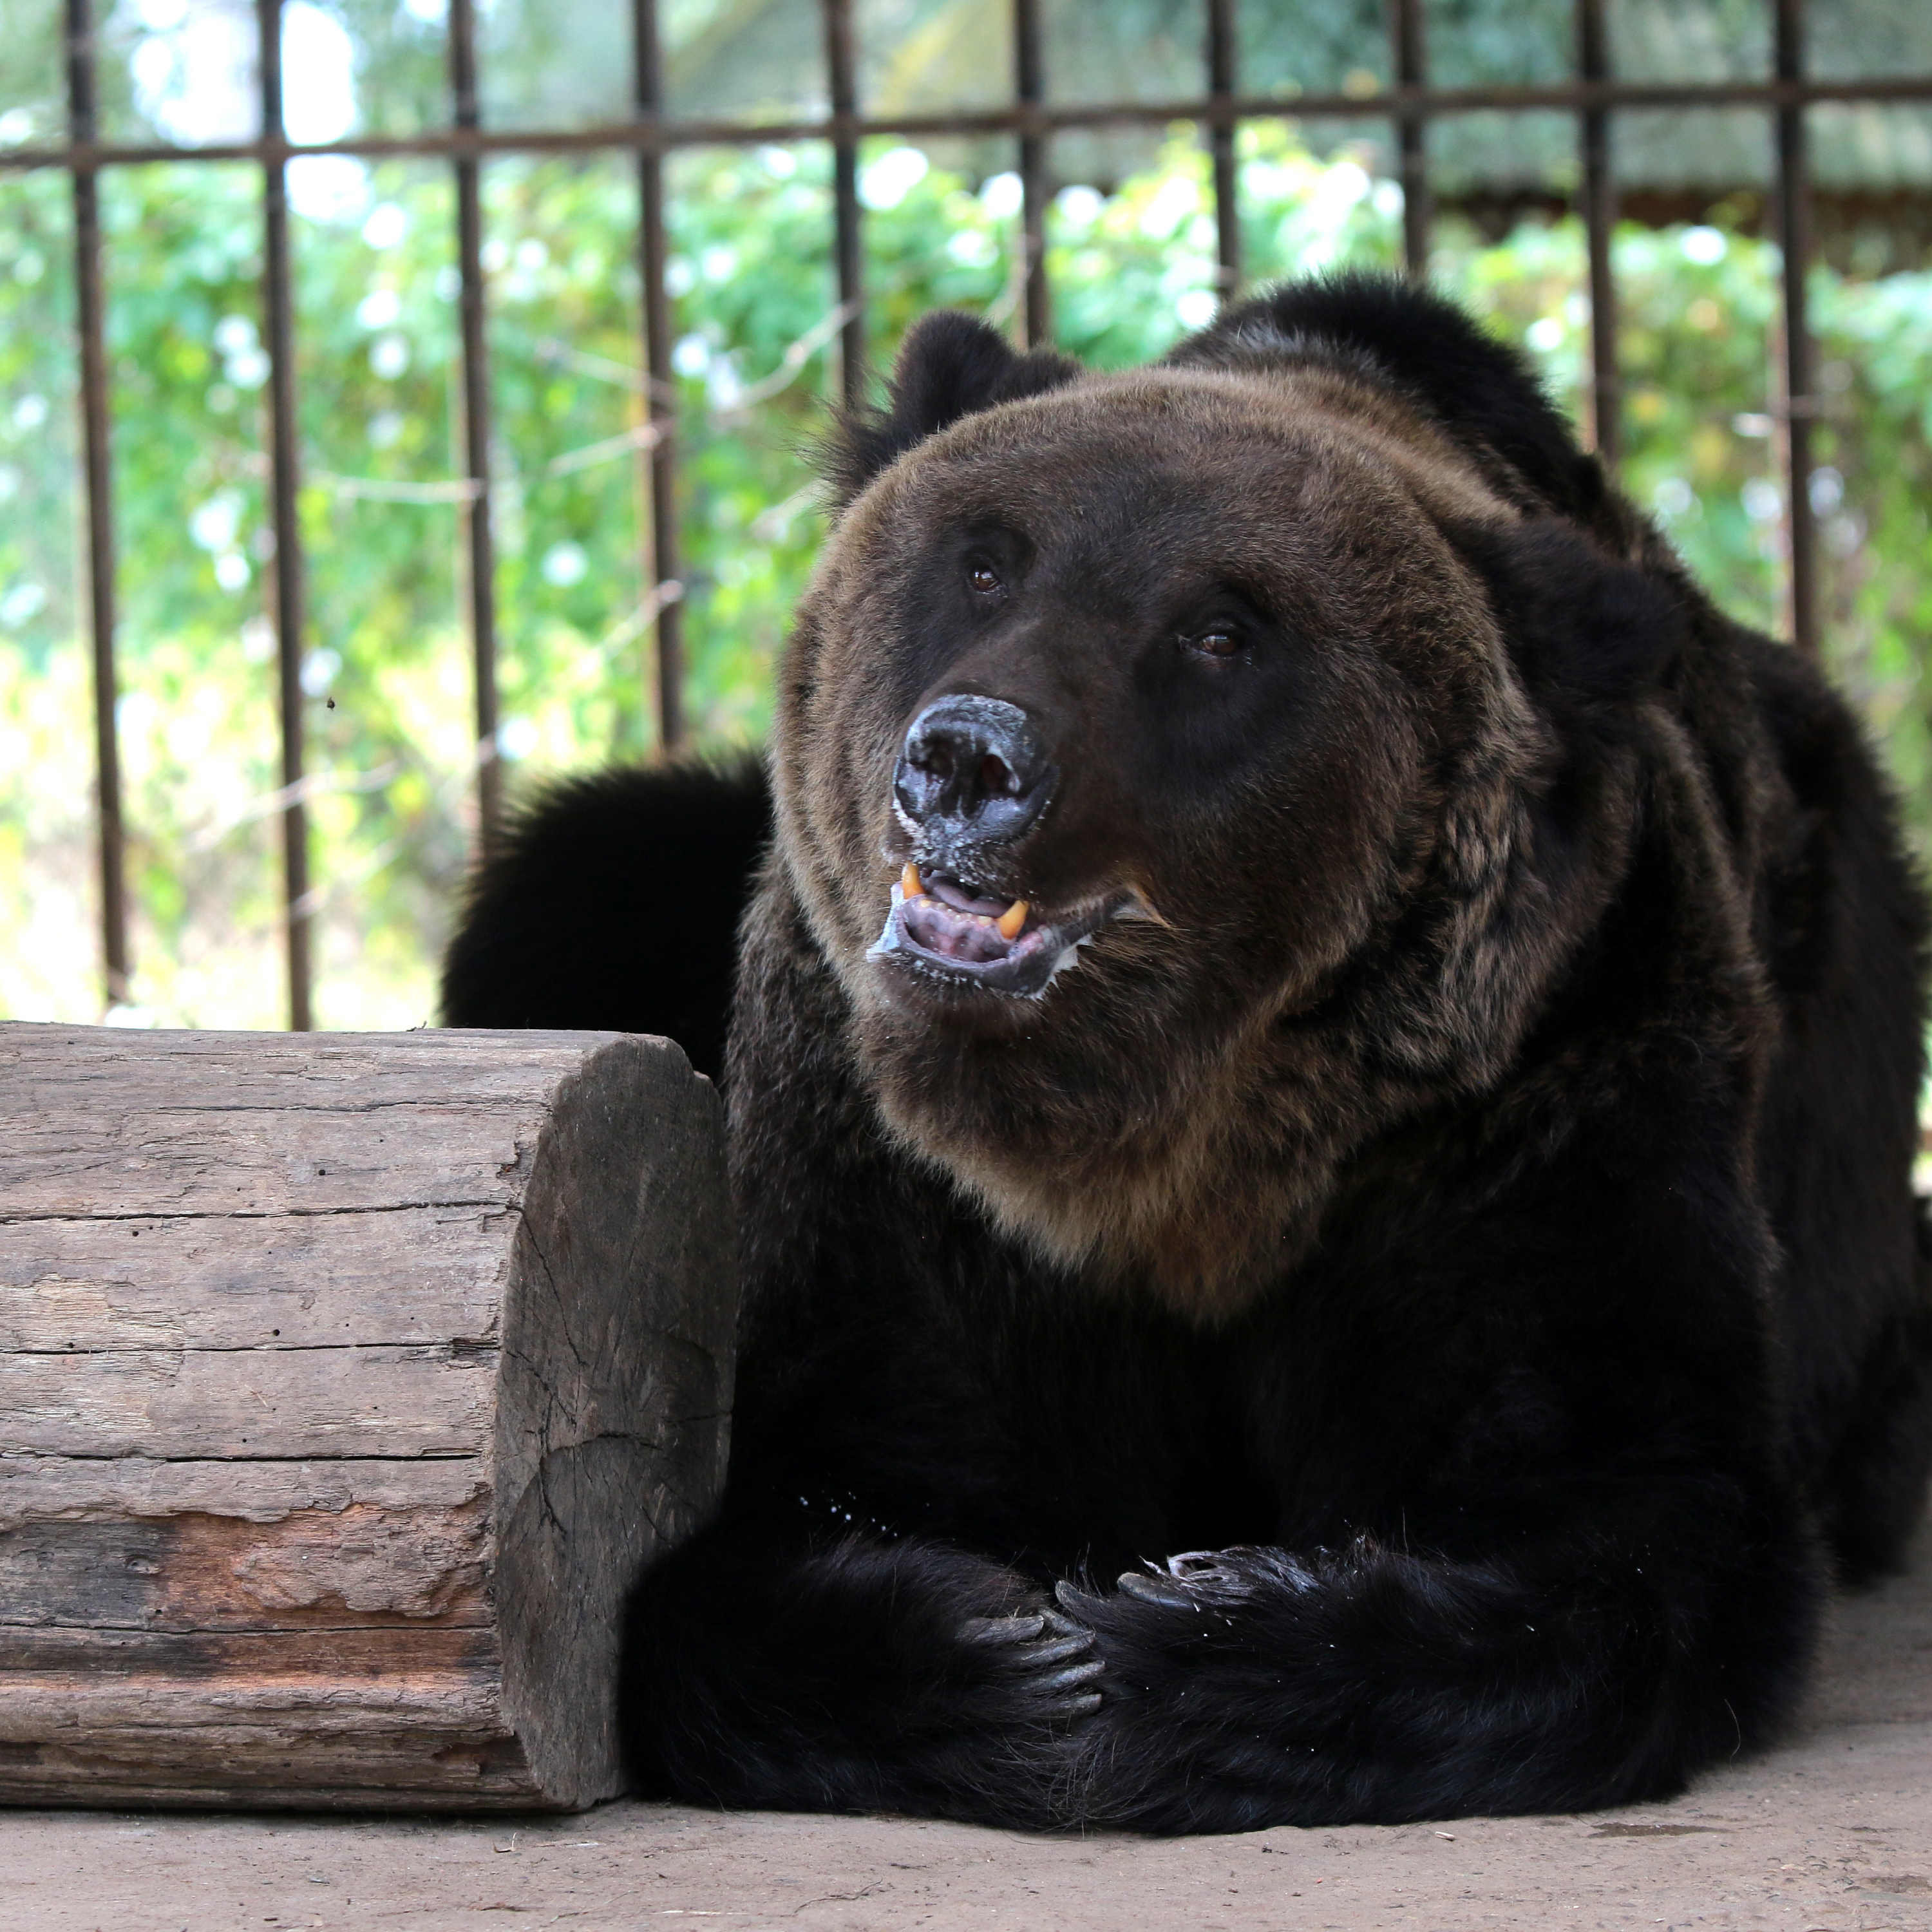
{"x": 662, "y": 137}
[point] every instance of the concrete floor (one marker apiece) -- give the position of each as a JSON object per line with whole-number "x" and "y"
{"x": 1834, "y": 1830}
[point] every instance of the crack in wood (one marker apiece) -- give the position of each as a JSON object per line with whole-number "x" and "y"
{"x": 143, "y": 1456}
{"x": 493, "y": 1203}
{"x": 460, "y": 1348}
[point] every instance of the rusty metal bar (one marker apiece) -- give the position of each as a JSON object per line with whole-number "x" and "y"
{"x": 97, "y": 443}
{"x": 476, "y": 425}
{"x": 665, "y": 136}
{"x": 1222, "y": 52}
{"x": 1794, "y": 235}
{"x": 284, "y": 454}
{"x": 843, "y": 81}
{"x": 1599, "y": 217}
{"x": 660, "y": 460}
{"x": 1412, "y": 145}
{"x": 1032, "y": 121}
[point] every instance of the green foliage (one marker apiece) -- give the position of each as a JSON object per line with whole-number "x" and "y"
{"x": 386, "y": 660}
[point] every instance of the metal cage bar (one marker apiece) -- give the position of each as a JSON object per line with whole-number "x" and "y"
{"x": 1800, "y": 402}
{"x": 663, "y": 590}
{"x": 1420, "y": 103}
{"x": 1411, "y": 63}
{"x": 842, "y": 79}
{"x": 1593, "y": 95}
{"x": 1599, "y": 217}
{"x": 1222, "y": 56}
{"x": 1029, "y": 99}
{"x": 480, "y": 551}
{"x": 91, "y": 322}
{"x": 284, "y": 456}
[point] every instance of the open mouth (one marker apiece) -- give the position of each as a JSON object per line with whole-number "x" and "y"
{"x": 944, "y": 928}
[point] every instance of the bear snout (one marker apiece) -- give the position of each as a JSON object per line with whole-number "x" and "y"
{"x": 973, "y": 772}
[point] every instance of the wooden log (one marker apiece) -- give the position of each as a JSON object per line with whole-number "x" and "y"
{"x": 347, "y": 1382}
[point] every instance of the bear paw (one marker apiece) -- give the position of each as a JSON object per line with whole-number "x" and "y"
{"x": 1046, "y": 1656}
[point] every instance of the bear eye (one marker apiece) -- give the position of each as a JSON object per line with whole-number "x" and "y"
{"x": 983, "y": 580}
{"x": 1218, "y": 641}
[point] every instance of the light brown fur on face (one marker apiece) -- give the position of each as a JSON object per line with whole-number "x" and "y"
{"x": 1342, "y": 927}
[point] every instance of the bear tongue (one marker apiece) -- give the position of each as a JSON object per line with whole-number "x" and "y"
{"x": 957, "y": 896}
{"x": 952, "y": 933}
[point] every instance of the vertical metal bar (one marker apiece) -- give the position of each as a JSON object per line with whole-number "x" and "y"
{"x": 661, "y": 459}
{"x": 1221, "y": 65}
{"x": 1411, "y": 131}
{"x": 1600, "y": 216}
{"x": 476, "y": 425}
{"x": 278, "y": 309}
{"x": 1794, "y": 235}
{"x": 1029, "y": 92}
{"x": 83, "y": 128}
{"x": 844, "y": 81}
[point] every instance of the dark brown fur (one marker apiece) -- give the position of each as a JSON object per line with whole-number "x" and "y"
{"x": 1450, "y": 1252}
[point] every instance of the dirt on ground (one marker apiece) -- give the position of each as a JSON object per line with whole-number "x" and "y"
{"x": 1832, "y": 1831}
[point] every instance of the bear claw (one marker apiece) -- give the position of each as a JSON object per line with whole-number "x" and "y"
{"x": 1076, "y": 1600}
{"x": 1053, "y": 1652}
{"x": 990, "y": 1630}
{"x": 1155, "y": 1590}
{"x": 1062, "y": 1647}
{"x": 1074, "y": 1674}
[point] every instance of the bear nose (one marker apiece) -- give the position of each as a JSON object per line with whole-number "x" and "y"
{"x": 972, "y": 766}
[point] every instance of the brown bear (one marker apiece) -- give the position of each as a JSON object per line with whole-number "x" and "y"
{"x": 1323, "y": 1086}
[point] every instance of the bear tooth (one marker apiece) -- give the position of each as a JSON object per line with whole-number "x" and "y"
{"x": 910, "y": 884}
{"x": 1010, "y": 921}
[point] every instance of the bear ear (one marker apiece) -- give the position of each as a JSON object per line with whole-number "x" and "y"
{"x": 1578, "y": 623}
{"x": 950, "y": 365}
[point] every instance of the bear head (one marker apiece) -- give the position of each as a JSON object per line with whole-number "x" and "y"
{"x": 1184, "y": 771}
